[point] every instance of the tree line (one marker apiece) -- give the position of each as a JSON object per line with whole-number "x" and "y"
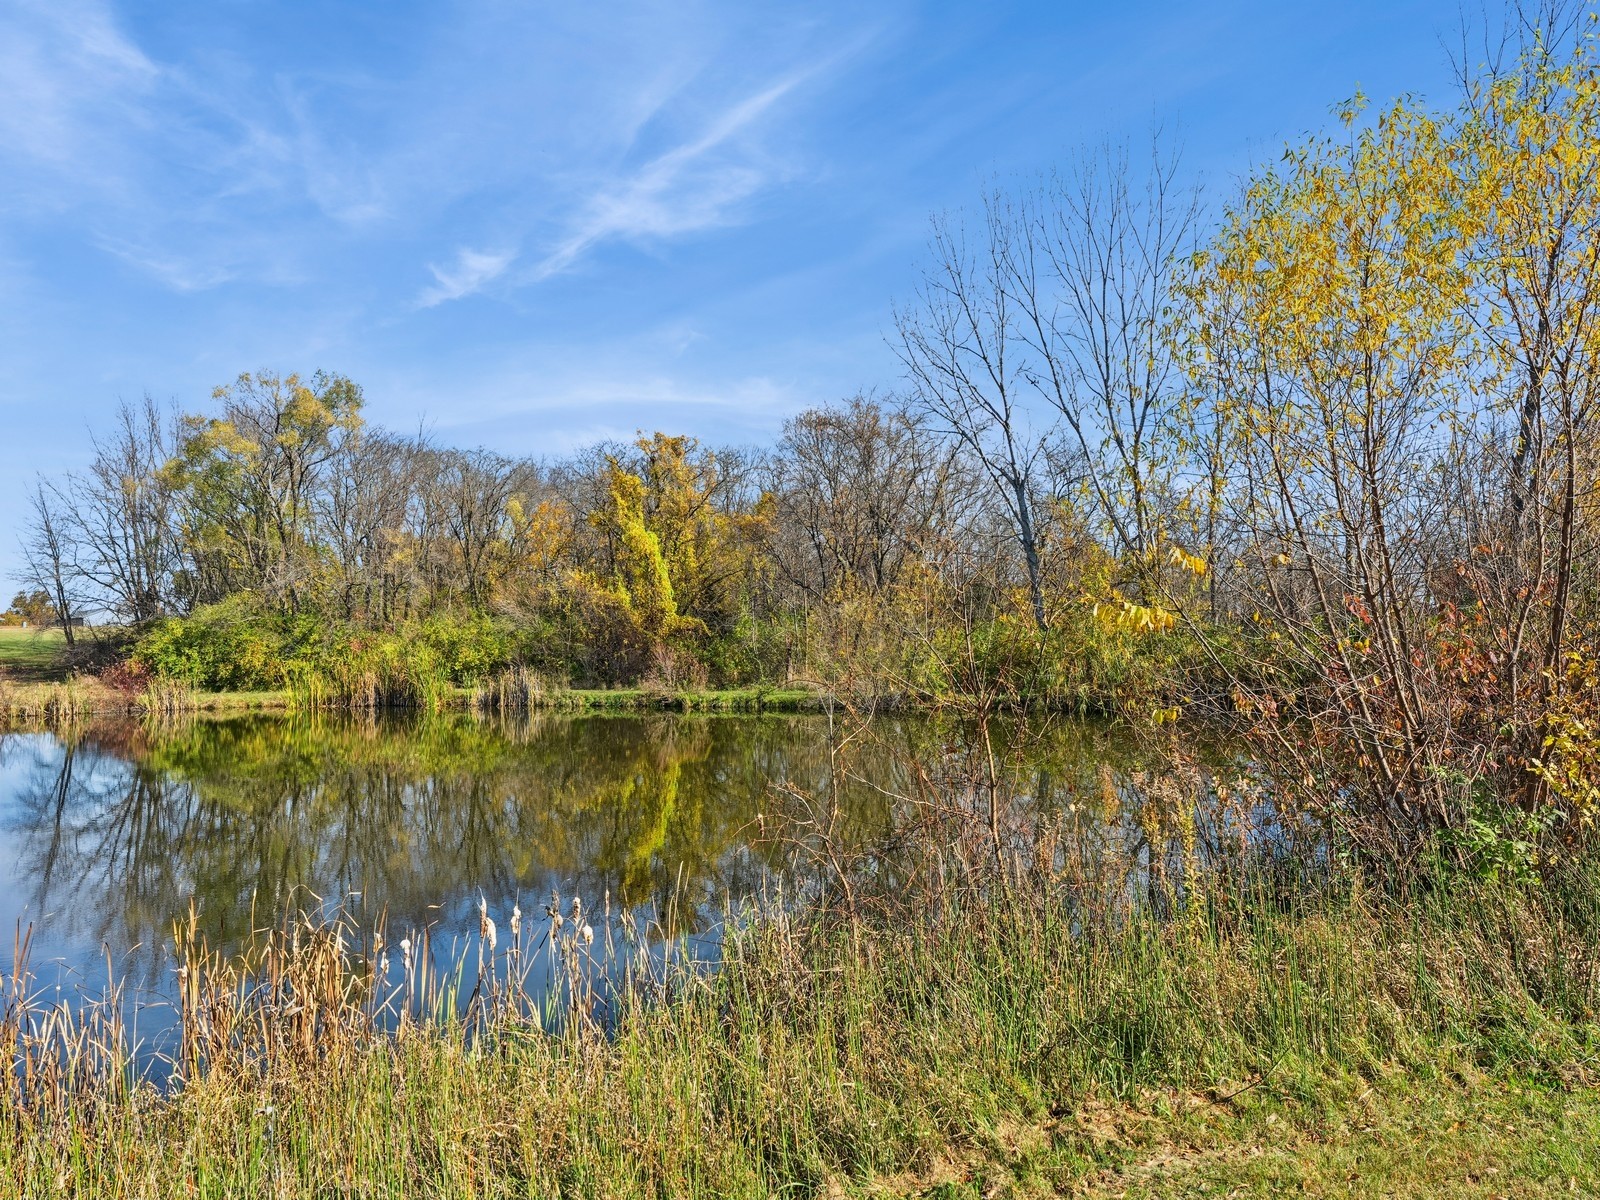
{"x": 647, "y": 552}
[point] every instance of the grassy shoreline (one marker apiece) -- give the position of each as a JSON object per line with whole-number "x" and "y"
{"x": 1346, "y": 1044}
{"x": 35, "y": 684}
{"x": 87, "y": 698}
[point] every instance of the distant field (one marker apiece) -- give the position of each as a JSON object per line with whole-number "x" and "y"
{"x": 32, "y": 655}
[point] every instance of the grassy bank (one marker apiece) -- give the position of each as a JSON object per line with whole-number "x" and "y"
{"x": 1008, "y": 1039}
{"x": 32, "y": 655}
{"x": 84, "y": 698}
{"x": 75, "y": 699}
{"x": 36, "y": 684}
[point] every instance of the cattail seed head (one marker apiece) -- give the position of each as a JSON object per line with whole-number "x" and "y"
{"x": 588, "y": 935}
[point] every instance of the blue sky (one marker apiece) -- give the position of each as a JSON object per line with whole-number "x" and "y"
{"x": 531, "y": 225}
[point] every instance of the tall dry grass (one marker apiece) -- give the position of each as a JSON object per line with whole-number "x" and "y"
{"x": 56, "y": 703}
{"x": 514, "y": 689}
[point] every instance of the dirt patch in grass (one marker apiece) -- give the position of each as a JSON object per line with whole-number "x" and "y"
{"x": 1405, "y": 1137}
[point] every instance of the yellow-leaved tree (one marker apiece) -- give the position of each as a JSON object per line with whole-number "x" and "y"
{"x": 1398, "y": 329}
{"x": 248, "y": 479}
{"x": 1332, "y": 309}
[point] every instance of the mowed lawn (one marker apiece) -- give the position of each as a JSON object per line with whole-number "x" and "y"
{"x": 32, "y": 655}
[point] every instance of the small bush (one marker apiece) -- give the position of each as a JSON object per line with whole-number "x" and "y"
{"x": 231, "y": 646}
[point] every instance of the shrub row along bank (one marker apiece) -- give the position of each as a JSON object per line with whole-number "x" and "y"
{"x": 57, "y": 705}
{"x": 235, "y": 646}
{"x": 1011, "y": 1033}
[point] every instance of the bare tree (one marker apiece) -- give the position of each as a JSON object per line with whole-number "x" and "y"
{"x": 50, "y": 556}
{"x": 1094, "y": 276}
{"x": 361, "y": 515}
{"x": 475, "y": 489}
{"x": 965, "y": 349}
{"x": 859, "y": 491}
{"x": 124, "y": 515}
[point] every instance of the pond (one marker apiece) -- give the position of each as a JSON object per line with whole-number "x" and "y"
{"x": 111, "y": 833}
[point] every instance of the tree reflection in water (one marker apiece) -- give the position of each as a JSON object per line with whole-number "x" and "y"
{"x": 115, "y": 829}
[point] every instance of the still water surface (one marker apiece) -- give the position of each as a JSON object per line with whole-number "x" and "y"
{"x": 108, "y": 834}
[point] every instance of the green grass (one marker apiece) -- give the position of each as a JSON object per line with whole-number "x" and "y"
{"x": 43, "y": 692}
{"x": 1429, "y": 1137}
{"x": 241, "y": 701}
{"x": 32, "y": 655}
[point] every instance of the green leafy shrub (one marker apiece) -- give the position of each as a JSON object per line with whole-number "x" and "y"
{"x": 230, "y": 646}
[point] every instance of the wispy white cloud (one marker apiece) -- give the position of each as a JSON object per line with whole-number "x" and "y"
{"x": 70, "y": 79}
{"x": 472, "y": 270}
{"x": 684, "y": 190}
{"x": 193, "y": 171}
{"x": 181, "y": 273}
{"x": 98, "y": 137}
{"x": 507, "y": 404}
{"x": 539, "y": 127}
